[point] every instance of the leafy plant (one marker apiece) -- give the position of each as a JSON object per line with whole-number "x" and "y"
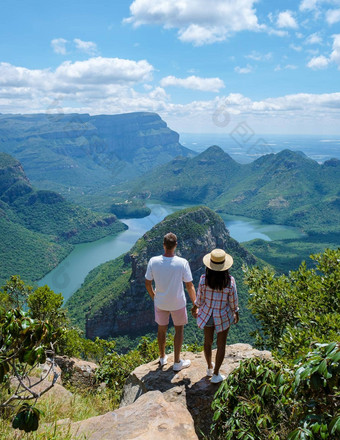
{"x": 263, "y": 399}
{"x": 316, "y": 389}
{"x": 298, "y": 308}
{"x": 24, "y": 343}
{"x": 254, "y": 402}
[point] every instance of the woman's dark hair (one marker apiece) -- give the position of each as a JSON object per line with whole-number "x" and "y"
{"x": 217, "y": 280}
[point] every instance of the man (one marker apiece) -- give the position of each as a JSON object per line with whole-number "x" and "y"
{"x": 169, "y": 271}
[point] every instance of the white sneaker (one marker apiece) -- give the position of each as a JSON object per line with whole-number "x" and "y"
{"x": 163, "y": 361}
{"x": 178, "y": 366}
{"x": 210, "y": 371}
{"x": 217, "y": 378}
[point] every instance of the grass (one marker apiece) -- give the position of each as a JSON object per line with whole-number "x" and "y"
{"x": 78, "y": 407}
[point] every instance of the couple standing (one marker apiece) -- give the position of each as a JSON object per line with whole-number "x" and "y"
{"x": 215, "y": 307}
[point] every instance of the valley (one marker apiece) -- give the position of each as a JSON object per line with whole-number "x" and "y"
{"x": 68, "y": 276}
{"x": 282, "y": 207}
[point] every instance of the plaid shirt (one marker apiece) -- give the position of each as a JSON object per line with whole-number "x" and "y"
{"x": 220, "y": 304}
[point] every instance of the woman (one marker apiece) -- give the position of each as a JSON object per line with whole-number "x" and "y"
{"x": 216, "y": 307}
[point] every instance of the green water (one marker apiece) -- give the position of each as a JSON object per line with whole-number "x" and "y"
{"x": 68, "y": 276}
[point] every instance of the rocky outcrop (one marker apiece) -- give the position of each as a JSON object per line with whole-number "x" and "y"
{"x": 157, "y": 403}
{"x": 150, "y": 417}
{"x": 77, "y": 372}
{"x": 128, "y": 308}
{"x": 190, "y": 387}
{"x": 13, "y": 181}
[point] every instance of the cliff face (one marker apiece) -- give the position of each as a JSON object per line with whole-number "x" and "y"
{"x": 80, "y": 152}
{"x": 37, "y": 227}
{"x": 13, "y": 181}
{"x": 199, "y": 230}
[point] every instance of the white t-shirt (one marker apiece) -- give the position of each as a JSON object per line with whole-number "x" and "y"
{"x": 169, "y": 274}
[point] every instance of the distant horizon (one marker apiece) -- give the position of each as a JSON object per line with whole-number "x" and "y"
{"x": 180, "y": 132}
{"x": 263, "y": 133}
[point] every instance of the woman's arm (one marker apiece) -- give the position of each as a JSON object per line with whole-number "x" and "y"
{"x": 233, "y": 301}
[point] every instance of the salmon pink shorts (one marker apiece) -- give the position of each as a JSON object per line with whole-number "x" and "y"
{"x": 179, "y": 317}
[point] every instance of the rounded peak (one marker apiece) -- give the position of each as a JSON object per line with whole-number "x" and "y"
{"x": 8, "y": 161}
{"x": 215, "y": 151}
{"x": 291, "y": 154}
{"x": 334, "y": 162}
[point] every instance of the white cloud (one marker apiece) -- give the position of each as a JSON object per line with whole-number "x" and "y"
{"x": 335, "y": 55}
{"x": 106, "y": 85}
{"x": 298, "y": 113}
{"x": 197, "y": 22}
{"x": 308, "y": 5}
{"x": 313, "y": 5}
{"x": 314, "y": 39}
{"x": 101, "y": 70}
{"x": 200, "y": 35}
{"x": 59, "y": 45}
{"x": 159, "y": 93}
{"x": 72, "y": 77}
{"x": 333, "y": 16}
{"x": 277, "y": 32}
{"x": 86, "y": 46}
{"x": 286, "y": 67}
{"x": 194, "y": 83}
{"x": 256, "y": 56}
{"x": 320, "y": 62}
{"x": 243, "y": 70}
{"x": 286, "y": 20}
{"x": 295, "y": 47}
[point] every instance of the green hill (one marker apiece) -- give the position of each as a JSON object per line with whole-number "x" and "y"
{"x": 113, "y": 300}
{"x": 38, "y": 228}
{"x": 284, "y": 188}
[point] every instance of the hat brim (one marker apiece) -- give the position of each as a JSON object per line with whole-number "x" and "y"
{"x": 228, "y": 262}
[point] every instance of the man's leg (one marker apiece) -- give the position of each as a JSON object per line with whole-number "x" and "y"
{"x": 178, "y": 341}
{"x": 161, "y": 337}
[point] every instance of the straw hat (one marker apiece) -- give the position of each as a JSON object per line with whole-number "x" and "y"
{"x": 218, "y": 260}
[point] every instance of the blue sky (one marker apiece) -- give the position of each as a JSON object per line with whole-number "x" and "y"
{"x": 203, "y": 65}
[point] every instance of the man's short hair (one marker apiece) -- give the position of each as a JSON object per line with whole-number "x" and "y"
{"x": 170, "y": 240}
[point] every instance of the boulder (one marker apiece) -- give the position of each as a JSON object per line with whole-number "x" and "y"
{"x": 77, "y": 372}
{"x": 48, "y": 370}
{"x": 190, "y": 387}
{"x": 56, "y": 393}
{"x": 150, "y": 417}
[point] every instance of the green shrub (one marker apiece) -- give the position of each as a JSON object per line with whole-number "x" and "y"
{"x": 263, "y": 399}
{"x": 297, "y": 309}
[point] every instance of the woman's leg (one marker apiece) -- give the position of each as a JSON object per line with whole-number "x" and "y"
{"x": 221, "y": 343}
{"x": 208, "y": 341}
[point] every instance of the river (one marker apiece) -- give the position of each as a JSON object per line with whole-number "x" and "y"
{"x": 68, "y": 276}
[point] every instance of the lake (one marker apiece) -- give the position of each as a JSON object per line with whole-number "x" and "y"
{"x": 68, "y": 276}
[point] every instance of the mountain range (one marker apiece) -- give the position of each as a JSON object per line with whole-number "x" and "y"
{"x": 284, "y": 188}
{"x": 39, "y": 227}
{"x": 82, "y": 156}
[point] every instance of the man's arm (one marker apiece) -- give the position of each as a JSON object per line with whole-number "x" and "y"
{"x": 149, "y": 288}
{"x": 192, "y": 293}
{"x": 191, "y": 290}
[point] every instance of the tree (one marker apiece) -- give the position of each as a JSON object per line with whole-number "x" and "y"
{"x": 15, "y": 292}
{"x": 46, "y": 305}
{"x": 297, "y": 309}
{"x": 26, "y": 340}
